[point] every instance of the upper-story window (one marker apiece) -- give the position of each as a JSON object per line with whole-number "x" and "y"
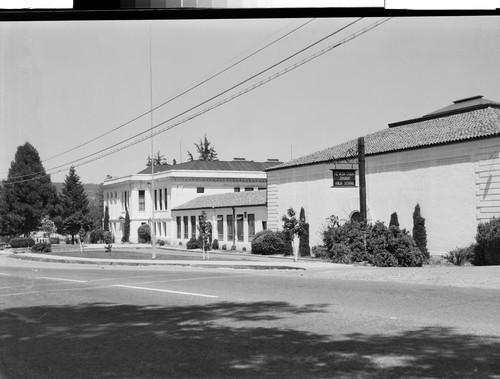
{"x": 248, "y": 188}
{"x": 200, "y": 189}
{"x": 236, "y": 189}
{"x": 142, "y": 200}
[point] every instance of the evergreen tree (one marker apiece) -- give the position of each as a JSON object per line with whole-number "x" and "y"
{"x": 106, "y": 219}
{"x": 27, "y": 195}
{"x": 304, "y": 248}
{"x": 419, "y": 231}
{"x": 96, "y": 208}
{"x": 75, "y": 205}
{"x": 394, "y": 220}
{"x": 205, "y": 151}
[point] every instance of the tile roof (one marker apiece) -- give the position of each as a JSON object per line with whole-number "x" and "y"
{"x": 226, "y": 200}
{"x": 463, "y": 105}
{"x": 456, "y": 127}
{"x": 237, "y": 165}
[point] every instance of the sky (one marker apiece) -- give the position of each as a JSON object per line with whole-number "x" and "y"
{"x": 65, "y": 83}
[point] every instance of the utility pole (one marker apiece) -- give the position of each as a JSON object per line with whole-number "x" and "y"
{"x": 362, "y": 179}
{"x": 153, "y": 202}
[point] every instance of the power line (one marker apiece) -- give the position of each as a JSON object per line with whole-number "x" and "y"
{"x": 228, "y": 99}
{"x": 215, "y": 96}
{"x": 182, "y": 93}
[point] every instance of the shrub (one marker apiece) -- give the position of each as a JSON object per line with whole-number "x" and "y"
{"x": 22, "y": 242}
{"x": 224, "y": 247}
{"x": 269, "y": 243}
{"x": 461, "y": 255}
{"x": 41, "y": 247}
{"x": 68, "y": 240}
{"x": 215, "y": 244}
{"x": 144, "y": 233}
{"x": 394, "y": 220}
{"x": 160, "y": 242}
{"x": 96, "y": 235}
{"x": 108, "y": 237}
{"x": 419, "y": 231}
{"x": 386, "y": 247}
{"x": 488, "y": 243}
{"x": 55, "y": 240}
{"x": 108, "y": 248}
{"x": 126, "y": 228}
{"x": 319, "y": 251}
{"x": 194, "y": 243}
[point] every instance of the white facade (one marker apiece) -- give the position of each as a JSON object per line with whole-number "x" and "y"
{"x": 230, "y": 226}
{"x": 457, "y": 185}
{"x": 172, "y": 188}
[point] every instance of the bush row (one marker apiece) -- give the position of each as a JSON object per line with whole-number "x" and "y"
{"x": 376, "y": 244}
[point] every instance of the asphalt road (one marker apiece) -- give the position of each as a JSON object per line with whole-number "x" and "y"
{"x": 70, "y": 321}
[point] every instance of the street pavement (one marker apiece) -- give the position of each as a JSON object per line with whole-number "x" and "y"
{"x": 71, "y": 320}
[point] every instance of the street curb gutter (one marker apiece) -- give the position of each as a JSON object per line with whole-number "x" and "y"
{"x": 158, "y": 263}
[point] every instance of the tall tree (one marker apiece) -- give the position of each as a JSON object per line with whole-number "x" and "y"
{"x": 158, "y": 159}
{"x": 96, "y": 207}
{"x": 27, "y": 195}
{"x": 304, "y": 247}
{"x": 75, "y": 205}
{"x": 292, "y": 227}
{"x": 106, "y": 219}
{"x": 205, "y": 151}
{"x": 419, "y": 231}
{"x": 394, "y": 220}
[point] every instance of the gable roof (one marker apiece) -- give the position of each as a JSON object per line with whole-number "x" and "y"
{"x": 226, "y": 200}
{"x": 236, "y": 165}
{"x": 459, "y": 123}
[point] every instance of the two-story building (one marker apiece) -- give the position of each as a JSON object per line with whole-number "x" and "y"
{"x": 175, "y": 185}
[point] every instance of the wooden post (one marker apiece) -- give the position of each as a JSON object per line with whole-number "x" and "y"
{"x": 362, "y": 179}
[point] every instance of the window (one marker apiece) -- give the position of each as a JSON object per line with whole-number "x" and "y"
{"x": 230, "y": 227}
{"x": 156, "y": 200}
{"x": 165, "y": 229}
{"x": 239, "y": 227}
{"x": 248, "y": 189}
{"x": 186, "y": 231}
{"x": 179, "y": 227}
{"x": 160, "y": 192}
{"x": 193, "y": 226}
{"x": 264, "y": 225}
{"x": 220, "y": 227}
{"x": 166, "y": 199}
{"x": 200, "y": 189}
{"x": 251, "y": 225}
{"x": 142, "y": 200}
{"x": 262, "y": 188}
{"x": 236, "y": 189}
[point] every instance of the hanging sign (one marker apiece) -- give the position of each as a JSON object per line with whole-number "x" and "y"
{"x": 344, "y": 178}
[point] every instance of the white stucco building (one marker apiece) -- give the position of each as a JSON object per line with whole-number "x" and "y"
{"x": 448, "y": 161}
{"x": 235, "y": 217}
{"x": 175, "y": 185}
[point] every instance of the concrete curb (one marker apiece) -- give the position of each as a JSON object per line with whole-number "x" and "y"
{"x": 147, "y": 262}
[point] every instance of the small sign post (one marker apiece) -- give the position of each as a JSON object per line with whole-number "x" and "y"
{"x": 344, "y": 178}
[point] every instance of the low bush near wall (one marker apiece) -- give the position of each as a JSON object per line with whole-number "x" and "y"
{"x": 269, "y": 243}
{"x": 461, "y": 255}
{"x": 193, "y": 243}
{"x": 376, "y": 244}
{"x": 488, "y": 243}
{"x": 22, "y": 242}
{"x": 42, "y": 247}
{"x": 144, "y": 234}
{"x": 55, "y": 240}
{"x": 96, "y": 236}
{"x": 215, "y": 244}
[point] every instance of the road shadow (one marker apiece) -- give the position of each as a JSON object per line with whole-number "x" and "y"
{"x": 225, "y": 339}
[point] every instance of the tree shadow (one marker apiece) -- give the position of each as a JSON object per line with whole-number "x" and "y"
{"x": 224, "y": 339}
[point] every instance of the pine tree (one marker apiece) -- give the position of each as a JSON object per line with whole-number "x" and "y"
{"x": 27, "y": 195}
{"x": 205, "y": 151}
{"x": 394, "y": 220}
{"x": 304, "y": 248}
{"x": 75, "y": 205}
{"x": 419, "y": 231}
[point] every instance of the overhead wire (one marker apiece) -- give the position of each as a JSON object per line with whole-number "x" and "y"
{"x": 227, "y": 99}
{"x": 218, "y": 71}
